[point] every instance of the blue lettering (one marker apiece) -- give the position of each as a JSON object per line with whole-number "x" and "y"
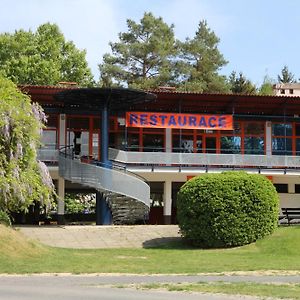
{"x": 163, "y": 118}
{"x": 133, "y": 119}
{"x": 180, "y": 121}
{"x": 143, "y": 119}
{"x": 202, "y": 122}
{"x": 192, "y": 121}
{"x": 153, "y": 120}
{"x": 212, "y": 122}
{"x": 172, "y": 121}
{"x": 222, "y": 122}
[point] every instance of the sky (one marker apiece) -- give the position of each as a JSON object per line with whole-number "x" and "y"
{"x": 257, "y": 37}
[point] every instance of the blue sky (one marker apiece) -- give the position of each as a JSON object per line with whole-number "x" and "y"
{"x": 257, "y": 37}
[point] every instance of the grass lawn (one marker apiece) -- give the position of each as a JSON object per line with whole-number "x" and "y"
{"x": 277, "y": 252}
{"x": 282, "y": 291}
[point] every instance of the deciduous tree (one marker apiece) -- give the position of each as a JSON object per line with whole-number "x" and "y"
{"x": 23, "y": 179}
{"x": 43, "y": 57}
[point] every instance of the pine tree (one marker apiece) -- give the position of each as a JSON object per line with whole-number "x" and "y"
{"x": 143, "y": 56}
{"x": 199, "y": 62}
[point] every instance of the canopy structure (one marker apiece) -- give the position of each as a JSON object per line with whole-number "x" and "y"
{"x": 115, "y": 99}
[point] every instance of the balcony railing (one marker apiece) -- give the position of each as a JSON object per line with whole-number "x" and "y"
{"x": 104, "y": 179}
{"x": 190, "y": 159}
{"x": 204, "y": 159}
{"x": 48, "y": 155}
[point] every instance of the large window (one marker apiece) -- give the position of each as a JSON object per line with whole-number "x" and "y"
{"x": 282, "y": 138}
{"x": 183, "y": 141}
{"x": 230, "y": 144}
{"x": 254, "y": 137}
{"x": 231, "y": 140}
{"x": 49, "y": 139}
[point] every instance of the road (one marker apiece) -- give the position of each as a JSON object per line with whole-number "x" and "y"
{"x": 90, "y": 287}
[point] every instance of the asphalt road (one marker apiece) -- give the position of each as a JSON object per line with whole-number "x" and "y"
{"x": 90, "y": 287}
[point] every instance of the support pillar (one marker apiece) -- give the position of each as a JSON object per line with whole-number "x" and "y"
{"x": 62, "y": 130}
{"x": 104, "y": 137}
{"x": 268, "y": 138}
{"x": 103, "y": 213}
{"x": 60, "y": 201}
{"x": 167, "y": 202}
{"x": 168, "y": 139}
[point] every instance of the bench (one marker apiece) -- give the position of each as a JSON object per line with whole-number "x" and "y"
{"x": 290, "y": 213}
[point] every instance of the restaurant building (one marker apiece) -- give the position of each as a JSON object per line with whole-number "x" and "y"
{"x": 136, "y": 149}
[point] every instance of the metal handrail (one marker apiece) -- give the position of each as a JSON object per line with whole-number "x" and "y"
{"x": 101, "y": 178}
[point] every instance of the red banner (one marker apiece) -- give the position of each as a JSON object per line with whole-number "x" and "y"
{"x": 183, "y": 121}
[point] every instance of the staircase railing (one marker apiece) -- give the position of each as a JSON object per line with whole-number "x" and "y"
{"x": 106, "y": 180}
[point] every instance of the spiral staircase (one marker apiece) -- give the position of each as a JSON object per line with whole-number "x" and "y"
{"x": 126, "y": 195}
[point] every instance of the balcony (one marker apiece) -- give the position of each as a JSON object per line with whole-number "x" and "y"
{"x": 204, "y": 162}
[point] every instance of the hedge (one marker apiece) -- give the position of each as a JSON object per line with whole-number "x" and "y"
{"x": 227, "y": 209}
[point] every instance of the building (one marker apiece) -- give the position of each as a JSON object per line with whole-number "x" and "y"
{"x": 165, "y": 137}
{"x": 287, "y": 89}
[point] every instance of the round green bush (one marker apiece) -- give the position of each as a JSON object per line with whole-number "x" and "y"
{"x": 228, "y": 209}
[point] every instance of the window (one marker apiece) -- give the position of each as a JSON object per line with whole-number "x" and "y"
{"x": 291, "y": 91}
{"x": 282, "y": 138}
{"x": 281, "y": 187}
{"x": 184, "y": 143}
{"x": 49, "y": 139}
{"x": 231, "y": 144}
{"x": 297, "y": 188}
{"x": 282, "y": 91}
{"x": 282, "y": 129}
{"x": 254, "y": 145}
{"x": 254, "y": 140}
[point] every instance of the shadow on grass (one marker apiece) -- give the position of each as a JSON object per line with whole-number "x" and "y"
{"x": 168, "y": 243}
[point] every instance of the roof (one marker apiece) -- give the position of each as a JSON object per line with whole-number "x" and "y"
{"x": 167, "y": 100}
{"x": 95, "y": 98}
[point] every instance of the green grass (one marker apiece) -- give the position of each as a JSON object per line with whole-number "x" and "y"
{"x": 283, "y": 291}
{"x": 277, "y": 252}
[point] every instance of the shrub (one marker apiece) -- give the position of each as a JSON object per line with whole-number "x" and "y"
{"x": 4, "y": 218}
{"x": 227, "y": 209}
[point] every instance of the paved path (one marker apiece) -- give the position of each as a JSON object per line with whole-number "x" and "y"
{"x": 90, "y": 287}
{"x": 102, "y": 236}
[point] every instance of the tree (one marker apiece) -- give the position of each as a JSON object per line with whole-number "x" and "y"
{"x": 143, "y": 56}
{"x": 240, "y": 84}
{"x": 199, "y": 62}
{"x": 42, "y": 57}
{"x": 23, "y": 179}
{"x": 286, "y": 76}
{"x": 267, "y": 86}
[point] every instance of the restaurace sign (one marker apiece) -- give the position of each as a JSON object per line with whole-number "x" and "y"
{"x": 181, "y": 121}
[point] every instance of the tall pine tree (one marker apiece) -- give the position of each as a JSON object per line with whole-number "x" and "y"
{"x": 199, "y": 62}
{"x": 143, "y": 56}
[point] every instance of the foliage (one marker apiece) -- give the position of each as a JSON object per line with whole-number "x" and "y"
{"x": 23, "y": 179}
{"x": 79, "y": 203}
{"x": 267, "y": 86}
{"x": 4, "y": 218}
{"x": 286, "y": 76}
{"x": 148, "y": 56}
{"x": 199, "y": 62}
{"x": 142, "y": 57}
{"x": 43, "y": 57}
{"x": 240, "y": 84}
{"x": 227, "y": 209}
